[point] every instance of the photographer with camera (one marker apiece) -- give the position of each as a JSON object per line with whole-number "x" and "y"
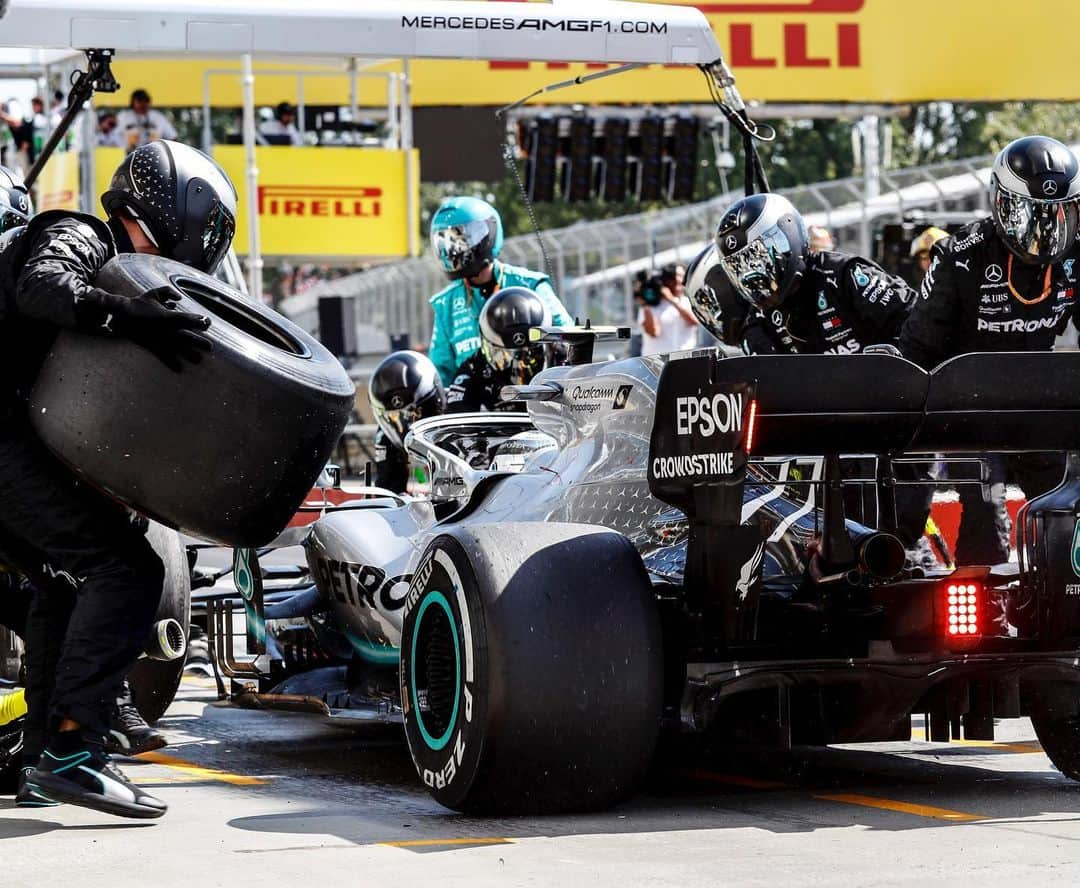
{"x": 666, "y": 319}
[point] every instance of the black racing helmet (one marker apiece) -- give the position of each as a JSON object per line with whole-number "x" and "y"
{"x": 720, "y": 309}
{"x": 1035, "y": 199}
{"x": 403, "y": 389}
{"x": 505, "y": 321}
{"x": 763, "y": 245}
{"x": 181, "y": 198}
{"x": 16, "y": 207}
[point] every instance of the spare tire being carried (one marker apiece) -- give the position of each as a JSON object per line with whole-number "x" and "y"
{"x": 225, "y": 450}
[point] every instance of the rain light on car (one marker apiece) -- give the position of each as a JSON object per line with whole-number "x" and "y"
{"x": 751, "y": 423}
{"x": 962, "y": 609}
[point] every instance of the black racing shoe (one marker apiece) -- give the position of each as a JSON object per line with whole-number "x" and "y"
{"x": 27, "y": 796}
{"x": 129, "y": 734}
{"x": 82, "y": 774}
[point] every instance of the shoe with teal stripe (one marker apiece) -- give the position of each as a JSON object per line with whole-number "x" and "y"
{"x": 82, "y": 774}
{"x": 27, "y": 796}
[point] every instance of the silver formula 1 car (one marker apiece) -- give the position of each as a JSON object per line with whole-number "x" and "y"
{"x": 663, "y": 545}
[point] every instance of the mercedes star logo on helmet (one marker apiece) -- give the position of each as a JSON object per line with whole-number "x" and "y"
{"x": 994, "y": 273}
{"x": 397, "y": 402}
{"x": 731, "y": 243}
{"x": 518, "y": 338}
{"x": 1050, "y": 188}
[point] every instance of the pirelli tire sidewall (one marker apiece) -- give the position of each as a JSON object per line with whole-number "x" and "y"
{"x": 446, "y": 760}
{"x": 559, "y": 655}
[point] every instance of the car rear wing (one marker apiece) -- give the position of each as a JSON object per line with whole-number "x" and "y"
{"x": 713, "y": 415}
{"x": 844, "y": 404}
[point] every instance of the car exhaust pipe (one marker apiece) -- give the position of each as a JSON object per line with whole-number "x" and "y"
{"x": 167, "y": 641}
{"x": 880, "y": 555}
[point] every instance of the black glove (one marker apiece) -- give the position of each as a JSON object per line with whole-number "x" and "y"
{"x": 151, "y": 322}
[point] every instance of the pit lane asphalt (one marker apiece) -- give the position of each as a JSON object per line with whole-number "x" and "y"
{"x": 261, "y": 798}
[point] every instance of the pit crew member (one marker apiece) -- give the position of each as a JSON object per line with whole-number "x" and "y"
{"x": 506, "y": 356}
{"x": 1004, "y": 283}
{"x": 97, "y": 580}
{"x": 466, "y": 238}
{"x": 806, "y": 302}
{"x": 801, "y": 302}
{"x": 128, "y": 732}
{"x": 404, "y": 387}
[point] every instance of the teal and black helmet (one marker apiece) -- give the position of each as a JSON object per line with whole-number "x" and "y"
{"x": 466, "y": 236}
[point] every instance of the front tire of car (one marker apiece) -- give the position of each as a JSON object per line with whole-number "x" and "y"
{"x": 531, "y": 668}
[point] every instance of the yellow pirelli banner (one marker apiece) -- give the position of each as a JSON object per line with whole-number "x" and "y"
{"x": 58, "y": 185}
{"x": 780, "y": 50}
{"x": 320, "y": 203}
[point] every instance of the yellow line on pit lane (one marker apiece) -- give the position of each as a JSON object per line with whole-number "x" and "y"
{"x": 1020, "y": 747}
{"x": 930, "y": 811}
{"x": 197, "y": 772}
{"x": 434, "y": 843}
{"x": 844, "y": 798}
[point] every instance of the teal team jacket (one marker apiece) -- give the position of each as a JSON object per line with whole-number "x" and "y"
{"x": 455, "y": 335}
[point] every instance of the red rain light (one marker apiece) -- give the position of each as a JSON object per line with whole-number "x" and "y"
{"x": 750, "y": 425}
{"x": 963, "y": 604}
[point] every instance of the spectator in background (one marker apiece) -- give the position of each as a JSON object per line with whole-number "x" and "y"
{"x": 35, "y": 130}
{"x": 821, "y": 241}
{"x": 920, "y": 250}
{"x": 667, "y": 322}
{"x": 141, "y": 124}
{"x": 282, "y": 127}
{"x": 109, "y": 134}
{"x": 10, "y": 125}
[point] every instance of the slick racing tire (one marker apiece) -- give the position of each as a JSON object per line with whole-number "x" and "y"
{"x": 531, "y": 668}
{"x": 1060, "y": 739}
{"x": 154, "y": 682}
{"x": 224, "y": 450}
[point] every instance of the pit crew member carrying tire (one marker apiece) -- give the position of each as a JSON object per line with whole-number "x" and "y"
{"x": 1005, "y": 283}
{"x": 466, "y": 238}
{"x": 97, "y": 579}
{"x": 801, "y": 302}
{"x": 506, "y": 356}
{"x": 404, "y": 387}
{"x": 128, "y": 732}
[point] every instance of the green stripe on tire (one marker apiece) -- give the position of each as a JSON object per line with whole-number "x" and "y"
{"x": 435, "y": 743}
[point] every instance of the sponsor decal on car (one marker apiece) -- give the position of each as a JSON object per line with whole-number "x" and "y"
{"x": 590, "y": 400}
{"x": 749, "y": 573}
{"x": 699, "y": 436}
{"x": 362, "y": 585}
{"x": 1076, "y": 549}
{"x": 706, "y": 416}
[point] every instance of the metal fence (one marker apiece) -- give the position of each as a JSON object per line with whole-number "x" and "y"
{"x": 593, "y": 264}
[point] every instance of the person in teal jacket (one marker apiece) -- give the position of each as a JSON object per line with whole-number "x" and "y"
{"x": 466, "y": 237}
